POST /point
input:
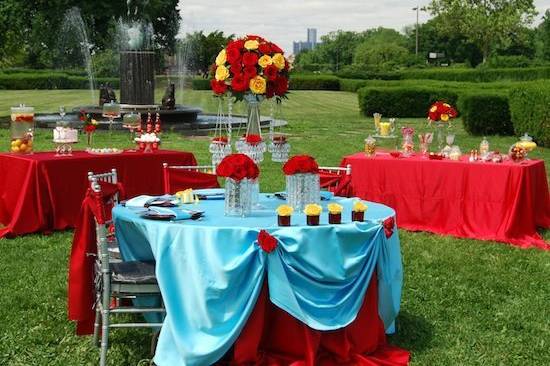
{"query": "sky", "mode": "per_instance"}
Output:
(285, 21)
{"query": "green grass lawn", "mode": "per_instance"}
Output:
(465, 302)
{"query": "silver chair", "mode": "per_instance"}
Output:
(336, 171)
(116, 281)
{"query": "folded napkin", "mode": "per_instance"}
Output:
(173, 213)
(146, 201)
(210, 194)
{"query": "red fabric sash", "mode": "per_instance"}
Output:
(81, 295)
(179, 179)
(339, 184)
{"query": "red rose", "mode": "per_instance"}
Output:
(275, 48)
(253, 139)
(239, 83)
(281, 86)
(267, 242)
(250, 58)
(238, 167)
(89, 128)
(388, 224)
(237, 44)
(271, 72)
(250, 72)
(233, 55)
(301, 164)
(218, 87)
(265, 48)
(221, 139)
(280, 139)
(252, 37)
(270, 91)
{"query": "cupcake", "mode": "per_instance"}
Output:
(334, 213)
(313, 211)
(284, 212)
(358, 212)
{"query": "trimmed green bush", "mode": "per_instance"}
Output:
(22, 81)
(486, 113)
(352, 85)
(200, 84)
(359, 72)
(530, 112)
(402, 101)
(314, 82)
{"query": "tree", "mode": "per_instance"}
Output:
(380, 56)
(198, 50)
(488, 24)
(544, 36)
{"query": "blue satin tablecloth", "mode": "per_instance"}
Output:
(211, 271)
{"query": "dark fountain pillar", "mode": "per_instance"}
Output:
(137, 77)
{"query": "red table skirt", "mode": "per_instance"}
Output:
(42, 192)
(273, 337)
(486, 201)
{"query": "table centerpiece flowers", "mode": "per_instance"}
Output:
(313, 212)
(251, 69)
(90, 125)
(284, 214)
(302, 181)
(240, 172)
(335, 213)
(441, 113)
(358, 211)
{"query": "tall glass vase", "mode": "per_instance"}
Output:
(254, 150)
(302, 189)
(440, 138)
(238, 200)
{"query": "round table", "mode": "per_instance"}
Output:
(211, 271)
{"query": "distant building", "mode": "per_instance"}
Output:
(310, 44)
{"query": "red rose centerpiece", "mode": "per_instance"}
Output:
(240, 173)
(302, 181)
(441, 113)
(253, 69)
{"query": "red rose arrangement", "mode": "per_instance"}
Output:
(441, 112)
(253, 65)
(267, 242)
(90, 125)
(280, 139)
(238, 167)
(253, 139)
(221, 139)
(301, 164)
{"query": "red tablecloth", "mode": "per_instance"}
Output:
(487, 201)
(273, 337)
(42, 192)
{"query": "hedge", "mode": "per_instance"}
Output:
(358, 72)
(200, 84)
(402, 101)
(530, 112)
(352, 85)
(22, 81)
(314, 82)
(486, 113)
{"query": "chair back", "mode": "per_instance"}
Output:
(109, 177)
(332, 177)
(101, 227)
(181, 177)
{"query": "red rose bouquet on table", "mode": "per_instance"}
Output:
(301, 164)
(251, 65)
(238, 167)
(441, 112)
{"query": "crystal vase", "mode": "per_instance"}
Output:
(219, 150)
(238, 197)
(254, 150)
(302, 189)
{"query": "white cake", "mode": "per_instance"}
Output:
(65, 135)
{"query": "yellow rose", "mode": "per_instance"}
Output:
(433, 109)
(221, 58)
(265, 61)
(444, 117)
(251, 45)
(447, 105)
(359, 206)
(94, 122)
(284, 210)
(335, 208)
(222, 73)
(258, 85)
(279, 60)
(313, 210)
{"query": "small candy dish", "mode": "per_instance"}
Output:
(313, 212)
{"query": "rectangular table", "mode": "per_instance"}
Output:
(504, 202)
(42, 192)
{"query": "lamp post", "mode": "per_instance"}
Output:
(418, 9)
